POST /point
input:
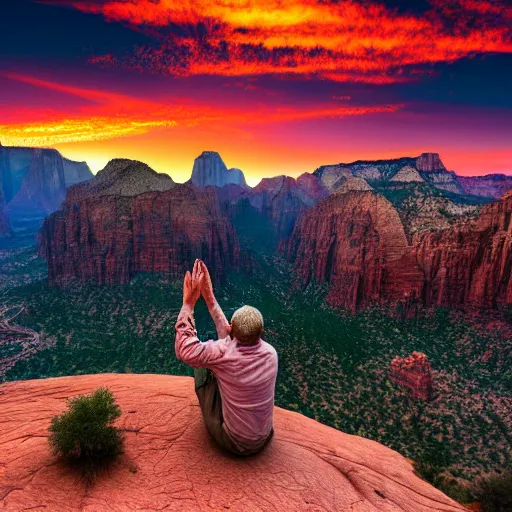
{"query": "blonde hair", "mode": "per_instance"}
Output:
(247, 325)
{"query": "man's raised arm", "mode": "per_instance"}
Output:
(187, 345)
(218, 316)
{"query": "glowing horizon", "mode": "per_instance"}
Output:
(276, 87)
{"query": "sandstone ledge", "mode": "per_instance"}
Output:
(171, 464)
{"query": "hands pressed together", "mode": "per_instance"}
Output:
(197, 283)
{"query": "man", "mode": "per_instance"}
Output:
(235, 376)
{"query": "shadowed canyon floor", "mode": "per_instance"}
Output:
(170, 463)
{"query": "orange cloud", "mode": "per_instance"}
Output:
(343, 40)
(112, 115)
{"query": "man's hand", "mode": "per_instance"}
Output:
(192, 285)
(206, 286)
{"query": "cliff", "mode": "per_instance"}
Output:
(108, 239)
(430, 162)
(170, 463)
(34, 180)
(471, 262)
(281, 199)
(209, 169)
(356, 242)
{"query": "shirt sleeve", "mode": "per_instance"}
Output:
(220, 321)
(188, 347)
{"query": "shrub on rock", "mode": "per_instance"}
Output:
(84, 434)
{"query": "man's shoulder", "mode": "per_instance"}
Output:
(268, 348)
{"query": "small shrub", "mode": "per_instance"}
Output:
(84, 433)
(495, 493)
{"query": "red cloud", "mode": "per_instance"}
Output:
(343, 40)
(114, 115)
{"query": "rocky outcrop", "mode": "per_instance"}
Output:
(429, 162)
(443, 180)
(333, 176)
(34, 180)
(356, 243)
(108, 239)
(170, 463)
(75, 172)
(407, 174)
(413, 372)
(122, 177)
(209, 169)
(492, 186)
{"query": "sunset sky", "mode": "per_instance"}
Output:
(275, 86)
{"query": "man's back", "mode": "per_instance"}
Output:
(247, 378)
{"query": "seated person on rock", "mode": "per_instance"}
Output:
(235, 376)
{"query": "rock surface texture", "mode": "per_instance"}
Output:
(170, 463)
(108, 239)
(413, 372)
(209, 169)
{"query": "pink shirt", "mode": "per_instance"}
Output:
(246, 376)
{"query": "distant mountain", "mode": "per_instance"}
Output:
(34, 180)
(122, 177)
(373, 231)
(209, 169)
(492, 185)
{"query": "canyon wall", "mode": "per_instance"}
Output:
(108, 239)
(356, 243)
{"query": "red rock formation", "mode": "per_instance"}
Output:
(170, 463)
(355, 242)
(429, 162)
(470, 263)
(414, 372)
(108, 239)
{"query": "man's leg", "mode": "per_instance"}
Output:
(208, 394)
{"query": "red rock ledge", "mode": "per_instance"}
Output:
(170, 463)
